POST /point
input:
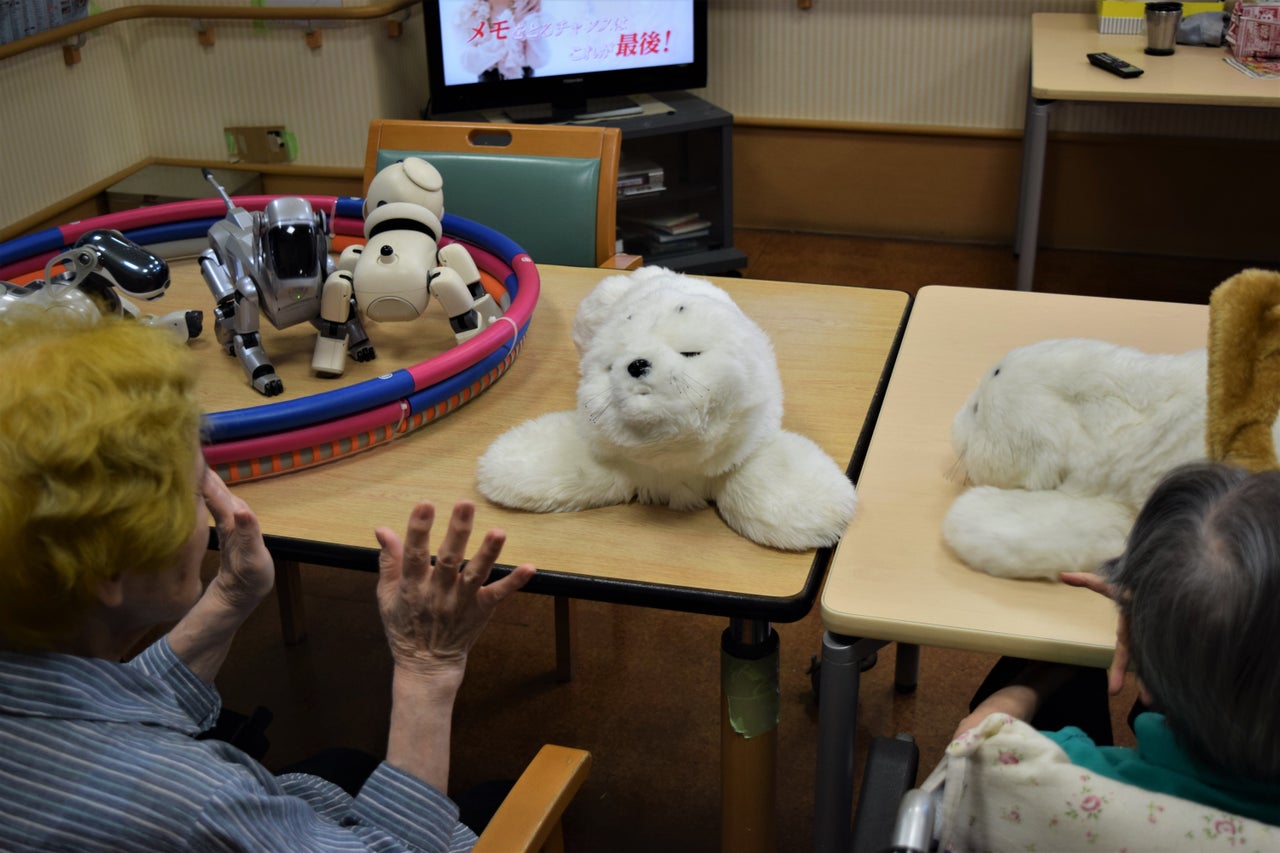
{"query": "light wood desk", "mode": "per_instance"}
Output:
(892, 578)
(1060, 72)
(833, 346)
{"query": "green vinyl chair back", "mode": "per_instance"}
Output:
(550, 188)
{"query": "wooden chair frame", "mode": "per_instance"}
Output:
(529, 819)
(537, 140)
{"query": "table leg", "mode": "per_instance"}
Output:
(749, 705)
(293, 623)
(1035, 138)
(837, 730)
(564, 607)
(906, 668)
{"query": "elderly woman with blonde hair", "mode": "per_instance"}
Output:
(105, 505)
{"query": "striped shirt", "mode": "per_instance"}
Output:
(96, 755)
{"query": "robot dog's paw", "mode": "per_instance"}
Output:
(268, 384)
(195, 323)
(364, 352)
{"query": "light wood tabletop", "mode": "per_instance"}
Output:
(1194, 74)
(892, 577)
(834, 348)
(832, 344)
(1061, 71)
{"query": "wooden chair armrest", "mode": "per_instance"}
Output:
(529, 817)
(623, 261)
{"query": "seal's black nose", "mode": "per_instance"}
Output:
(639, 368)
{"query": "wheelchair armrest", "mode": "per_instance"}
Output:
(890, 772)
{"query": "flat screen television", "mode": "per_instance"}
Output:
(572, 57)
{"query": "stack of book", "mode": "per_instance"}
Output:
(673, 232)
(639, 177)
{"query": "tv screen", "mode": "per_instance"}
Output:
(562, 53)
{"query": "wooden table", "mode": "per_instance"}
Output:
(892, 578)
(833, 346)
(1060, 72)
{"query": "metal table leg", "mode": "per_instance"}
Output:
(1035, 138)
(749, 706)
(906, 668)
(837, 729)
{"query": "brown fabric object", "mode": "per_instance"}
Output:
(1244, 370)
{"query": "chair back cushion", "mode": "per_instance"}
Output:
(545, 204)
(1005, 786)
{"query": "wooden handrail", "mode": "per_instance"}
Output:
(59, 34)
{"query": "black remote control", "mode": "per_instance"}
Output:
(1114, 64)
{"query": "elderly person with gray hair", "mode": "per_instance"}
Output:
(1198, 594)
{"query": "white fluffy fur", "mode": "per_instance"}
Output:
(701, 425)
(1063, 441)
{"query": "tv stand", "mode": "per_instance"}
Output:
(589, 110)
(692, 143)
(598, 108)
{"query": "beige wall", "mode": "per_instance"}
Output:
(920, 64)
(75, 126)
(946, 77)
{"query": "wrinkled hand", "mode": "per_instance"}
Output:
(1119, 668)
(1089, 580)
(1017, 700)
(433, 614)
(247, 572)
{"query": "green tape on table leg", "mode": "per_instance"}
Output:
(751, 688)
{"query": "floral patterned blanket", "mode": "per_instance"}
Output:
(1003, 786)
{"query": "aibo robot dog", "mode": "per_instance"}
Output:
(276, 262)
(102, 264)
(402, 264)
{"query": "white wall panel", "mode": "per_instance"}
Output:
(147, 88)
(927, 64)
(65, 127)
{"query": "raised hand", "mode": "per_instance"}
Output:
(1119, 668)
(247, 572)
(433, 611)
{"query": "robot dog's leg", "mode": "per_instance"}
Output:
(192, 322)
(358, 343)
(347, 260)
(248, 343)
(457, 258)
(447, 286)
(224, 295)
(185, 324)
(330, 356)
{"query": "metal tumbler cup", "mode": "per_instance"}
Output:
(1162, 27)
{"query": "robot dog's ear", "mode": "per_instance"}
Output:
(423, 174)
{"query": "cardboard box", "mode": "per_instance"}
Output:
(262, 144)
(158, 184)
(1254, 31)
(1128, 16)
